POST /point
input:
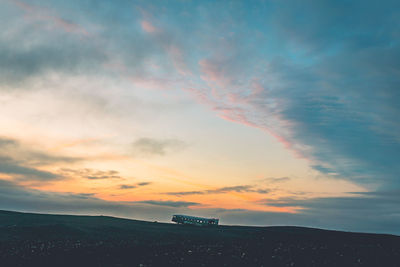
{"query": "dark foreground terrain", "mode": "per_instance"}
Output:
(57, 240)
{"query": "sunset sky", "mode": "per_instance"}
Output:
(254, 112)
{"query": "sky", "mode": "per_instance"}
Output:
(254, 112)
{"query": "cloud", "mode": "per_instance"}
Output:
(330, 97)
(222, 190)
(144, 183)
(21, 59)
(132, 186)
(149, 146)
(21, 161)
(20, 172)
(90, 174)
(30, 50)
(7, 142)
(148, 27)
(276, 179)
(186, 193)
(175, 204)
(313, 89)
(24, 153)
(19, 198)
(37, 13)
(365, 211)
(340, 213)
(238, 189)
(126, 186)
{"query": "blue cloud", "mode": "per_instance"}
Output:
(344, 104)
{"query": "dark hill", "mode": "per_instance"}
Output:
(28, 239)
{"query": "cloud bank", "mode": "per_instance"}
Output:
(341, 213)
(150, 146)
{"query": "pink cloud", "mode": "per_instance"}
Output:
(148, 27)
(237, 115)
(201, 96)
(239, 101)
(43, 14)
(213, 72)
(165, 40)
(178, 59)
(145, 80)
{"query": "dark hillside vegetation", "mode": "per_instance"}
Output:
(62, 240)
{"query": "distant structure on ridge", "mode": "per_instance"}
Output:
(185, 219)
